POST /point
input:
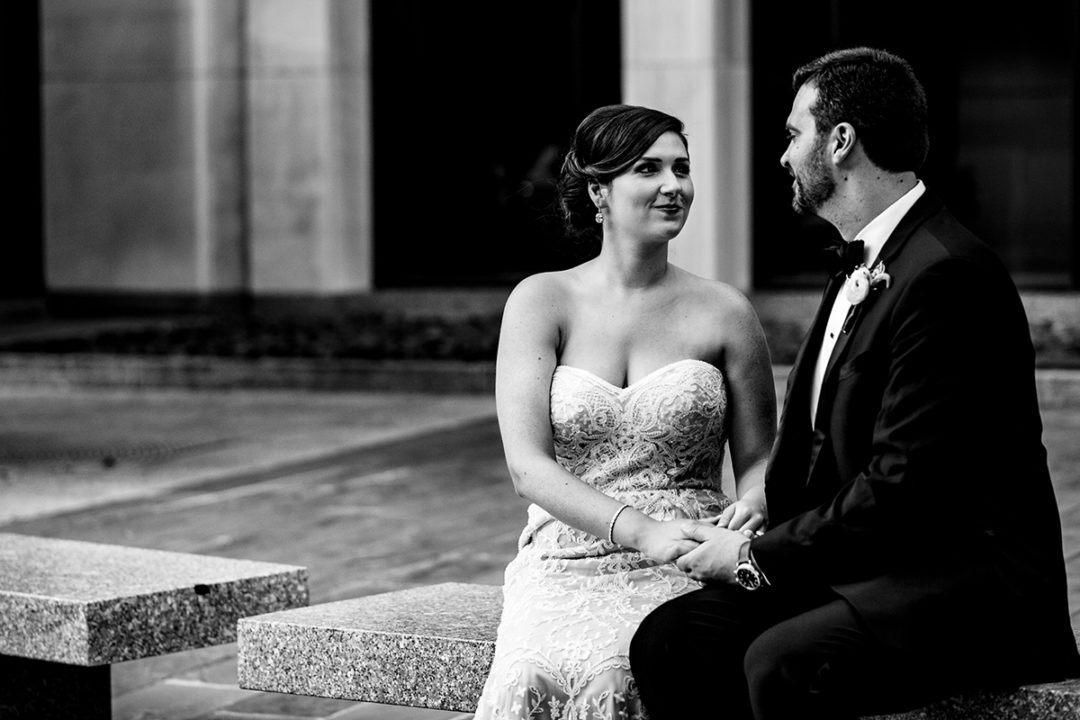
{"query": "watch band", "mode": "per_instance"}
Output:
(744, 552)
(753, 561)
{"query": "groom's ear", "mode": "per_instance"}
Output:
(842, 142)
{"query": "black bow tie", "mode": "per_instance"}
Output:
(848, 256)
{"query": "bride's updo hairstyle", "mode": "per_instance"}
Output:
(605, 145)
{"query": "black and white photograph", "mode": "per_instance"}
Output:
(541, 360)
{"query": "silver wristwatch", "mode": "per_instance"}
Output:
(746, 572)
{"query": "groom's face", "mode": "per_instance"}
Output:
(805, 157)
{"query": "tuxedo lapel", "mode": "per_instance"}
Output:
(791, 445)
(828, 386)
(923, 208)
(850, 326)
(797, 448)
(806, 358)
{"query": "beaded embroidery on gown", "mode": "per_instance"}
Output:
(572, 601)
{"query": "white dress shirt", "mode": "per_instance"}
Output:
(874, 235)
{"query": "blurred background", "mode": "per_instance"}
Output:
(353, 160)
(216, 207)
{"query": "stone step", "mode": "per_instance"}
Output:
(84, 603)
(69, 610)
(432, 646)
(428, 647)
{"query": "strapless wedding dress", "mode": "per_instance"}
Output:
(572, 601)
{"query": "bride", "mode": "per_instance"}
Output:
(618, 384)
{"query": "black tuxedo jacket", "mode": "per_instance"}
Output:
(923, 495)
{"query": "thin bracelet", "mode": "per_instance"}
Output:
(611, 525)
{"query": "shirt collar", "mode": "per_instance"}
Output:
(878, 230)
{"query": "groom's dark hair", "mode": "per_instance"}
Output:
(878, 93)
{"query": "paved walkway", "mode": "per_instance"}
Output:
(370, 491)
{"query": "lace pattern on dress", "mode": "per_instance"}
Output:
(572, 601)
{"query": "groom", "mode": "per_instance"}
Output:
(914, 545)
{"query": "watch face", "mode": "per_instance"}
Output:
(746, 576)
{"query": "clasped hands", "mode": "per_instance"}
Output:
(707, 549)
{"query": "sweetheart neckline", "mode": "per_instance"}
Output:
(644, 377)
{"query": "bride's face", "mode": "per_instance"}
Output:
(653, 197)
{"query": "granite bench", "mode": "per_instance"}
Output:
(427, 647)
(431, 647)
(70, 609)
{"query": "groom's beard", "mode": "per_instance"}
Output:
(815, 185)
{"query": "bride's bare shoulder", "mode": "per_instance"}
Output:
(547, 292)
(722, 301)
(556, 286)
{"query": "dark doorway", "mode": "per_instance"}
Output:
(473, 105)
(22, 271)
(1002, 87)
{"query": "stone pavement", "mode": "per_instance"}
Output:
(67, 448)
(371, 491)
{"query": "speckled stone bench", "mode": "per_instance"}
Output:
(427, 647)
(69, 609)
(431, 647)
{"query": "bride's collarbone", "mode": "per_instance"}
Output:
(623, 359)
(629, 339)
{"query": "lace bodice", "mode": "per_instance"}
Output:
(571, 601)
(663, 432)
(657, 445)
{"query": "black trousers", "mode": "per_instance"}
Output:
(725, 653)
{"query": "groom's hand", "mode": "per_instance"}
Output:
(664, 540)
(714, 560)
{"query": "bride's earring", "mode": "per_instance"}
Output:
(599, 217)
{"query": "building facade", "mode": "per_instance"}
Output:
(193, 150)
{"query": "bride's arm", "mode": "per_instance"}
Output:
(752, 414)
(527, 356)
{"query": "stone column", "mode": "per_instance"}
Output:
(692, 58)
(141, 156)
(309, 146)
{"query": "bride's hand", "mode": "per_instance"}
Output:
(748, 514)
(667, 540)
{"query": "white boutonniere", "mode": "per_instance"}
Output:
(862, 280)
